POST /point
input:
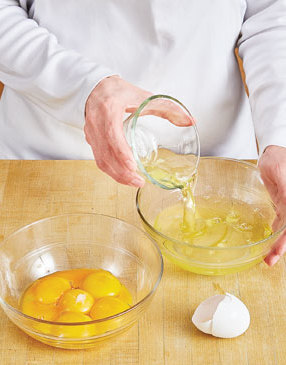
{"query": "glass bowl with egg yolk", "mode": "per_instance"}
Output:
(72, 281)
(222, 226)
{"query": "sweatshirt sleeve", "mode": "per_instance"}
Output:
(262, 46)
(32, 62)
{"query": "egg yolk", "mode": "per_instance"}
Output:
(101, 284)
(76, 300)
(73, 317)
(50, 289)
(125, 295)
(73, 296)
(107, 306)
(33, 308)
(73, 331)
(75, 276)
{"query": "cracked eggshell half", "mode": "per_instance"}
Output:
(222, 316)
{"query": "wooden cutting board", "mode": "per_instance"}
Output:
(30, 190)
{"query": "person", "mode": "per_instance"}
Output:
(73, 69)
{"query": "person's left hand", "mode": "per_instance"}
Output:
(272, 165)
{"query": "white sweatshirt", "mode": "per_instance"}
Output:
(54, 52)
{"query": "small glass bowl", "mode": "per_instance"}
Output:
(225, 178)
(148, 132)
(78, 241)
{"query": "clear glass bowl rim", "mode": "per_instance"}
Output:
(275, 234)
(132, 308)
(135, 117)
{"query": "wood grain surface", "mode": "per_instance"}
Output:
(30, 190)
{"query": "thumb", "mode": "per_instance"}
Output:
(165, 109)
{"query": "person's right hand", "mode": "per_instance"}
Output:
(105, 110)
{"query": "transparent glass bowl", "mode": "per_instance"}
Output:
(226, 178)
(158, 139)
(78, 241)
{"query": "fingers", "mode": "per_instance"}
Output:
(270, 186)
(105, 110)
(121, 155)
(274, 177)
(271, 259)
(165, 109)
(109, 164)
(277, 222)
(111, 151)
(278, 250)
(115, 137)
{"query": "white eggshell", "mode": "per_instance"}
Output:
(203, 315)
(222, 316)
(231, 319)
